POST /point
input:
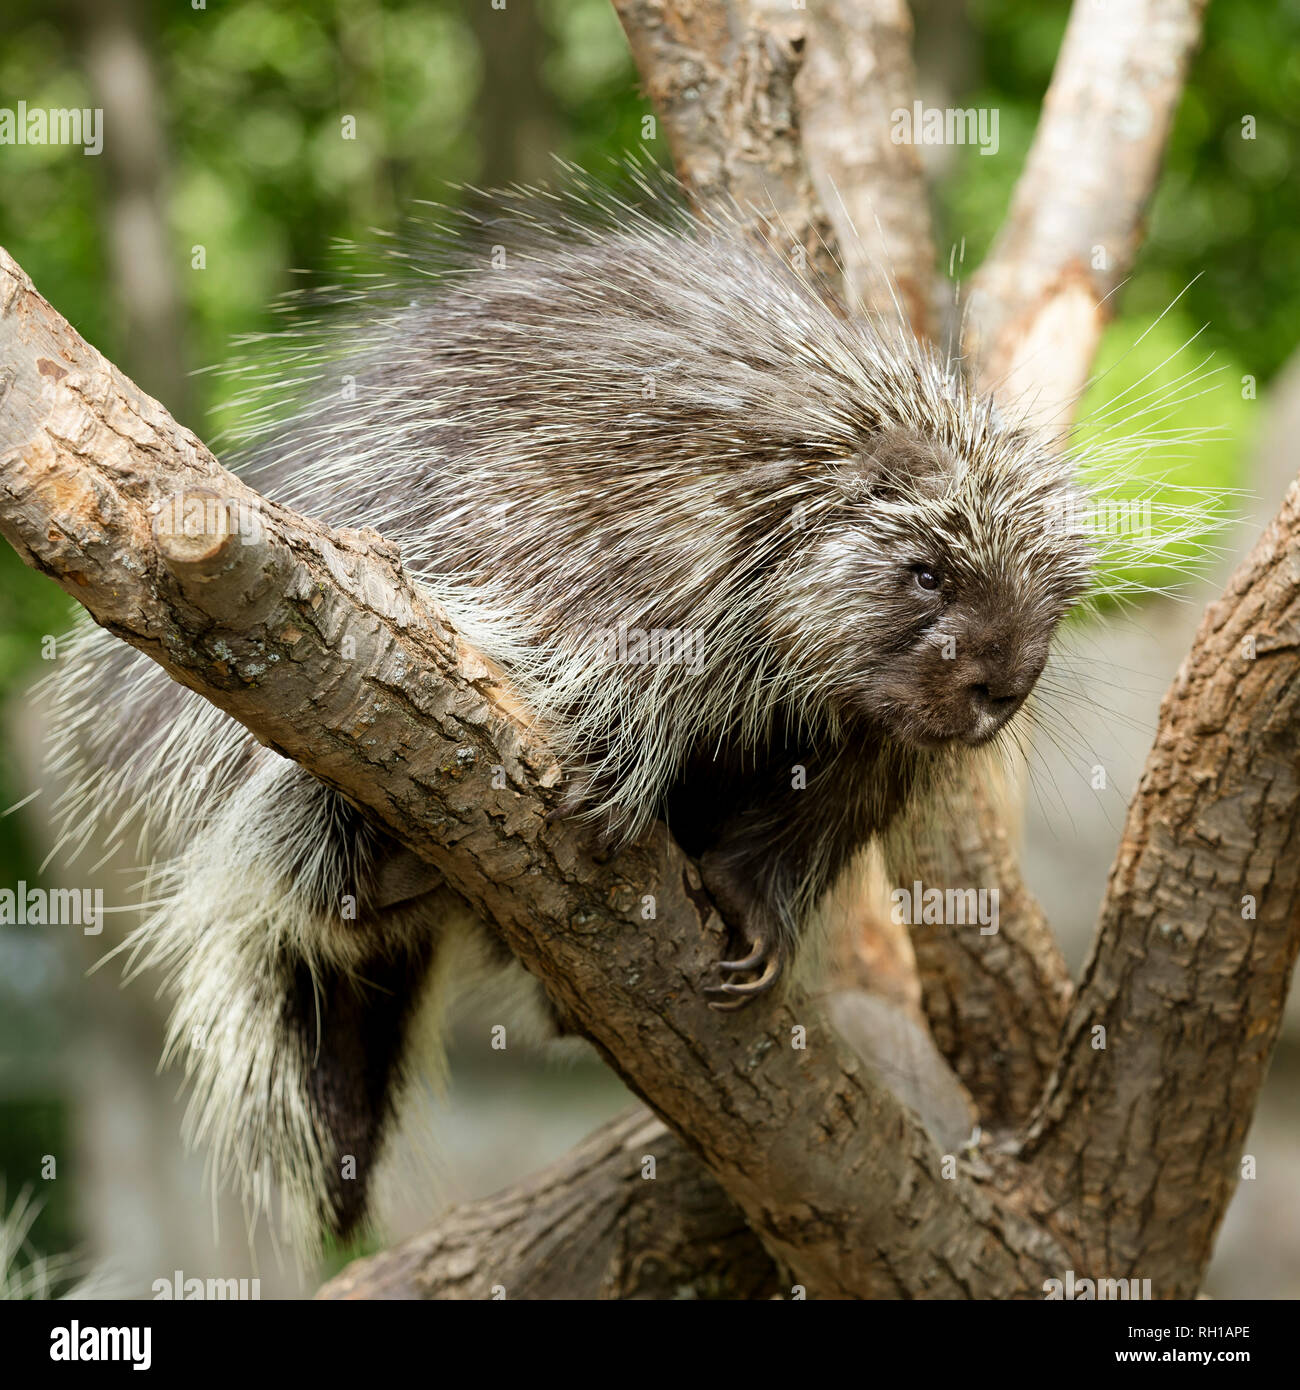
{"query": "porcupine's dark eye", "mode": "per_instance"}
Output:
(926, 578)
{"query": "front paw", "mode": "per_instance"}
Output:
(746, 912)
(765, 962)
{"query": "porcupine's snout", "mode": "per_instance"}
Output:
(994, 699)
(997, 662)
(967, 687)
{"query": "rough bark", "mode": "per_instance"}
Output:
(721, 76)
(786, 112)
(619, 1228)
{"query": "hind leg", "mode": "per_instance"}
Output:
(349, 1029)
(743, 896)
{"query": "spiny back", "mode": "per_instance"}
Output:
(645, 427)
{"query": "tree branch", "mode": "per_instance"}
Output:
(857, 72)
(616, 1229)
(787, 111)
(721, 75)
(1045, 292)
(1143, 1126)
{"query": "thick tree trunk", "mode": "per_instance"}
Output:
(1176, 1019)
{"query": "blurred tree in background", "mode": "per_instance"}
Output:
(223, 151)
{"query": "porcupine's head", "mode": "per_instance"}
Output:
(949, 543)
(973, 563)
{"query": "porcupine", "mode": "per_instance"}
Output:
(591, 428)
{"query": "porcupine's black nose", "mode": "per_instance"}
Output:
(994, 701)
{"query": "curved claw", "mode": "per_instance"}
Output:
(737, 996)
(758, 956)
(723, 1007)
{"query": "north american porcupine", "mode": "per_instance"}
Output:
(623, 427)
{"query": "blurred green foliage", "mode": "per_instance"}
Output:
(1222, 245)
(251, 94)
(1225, 222)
